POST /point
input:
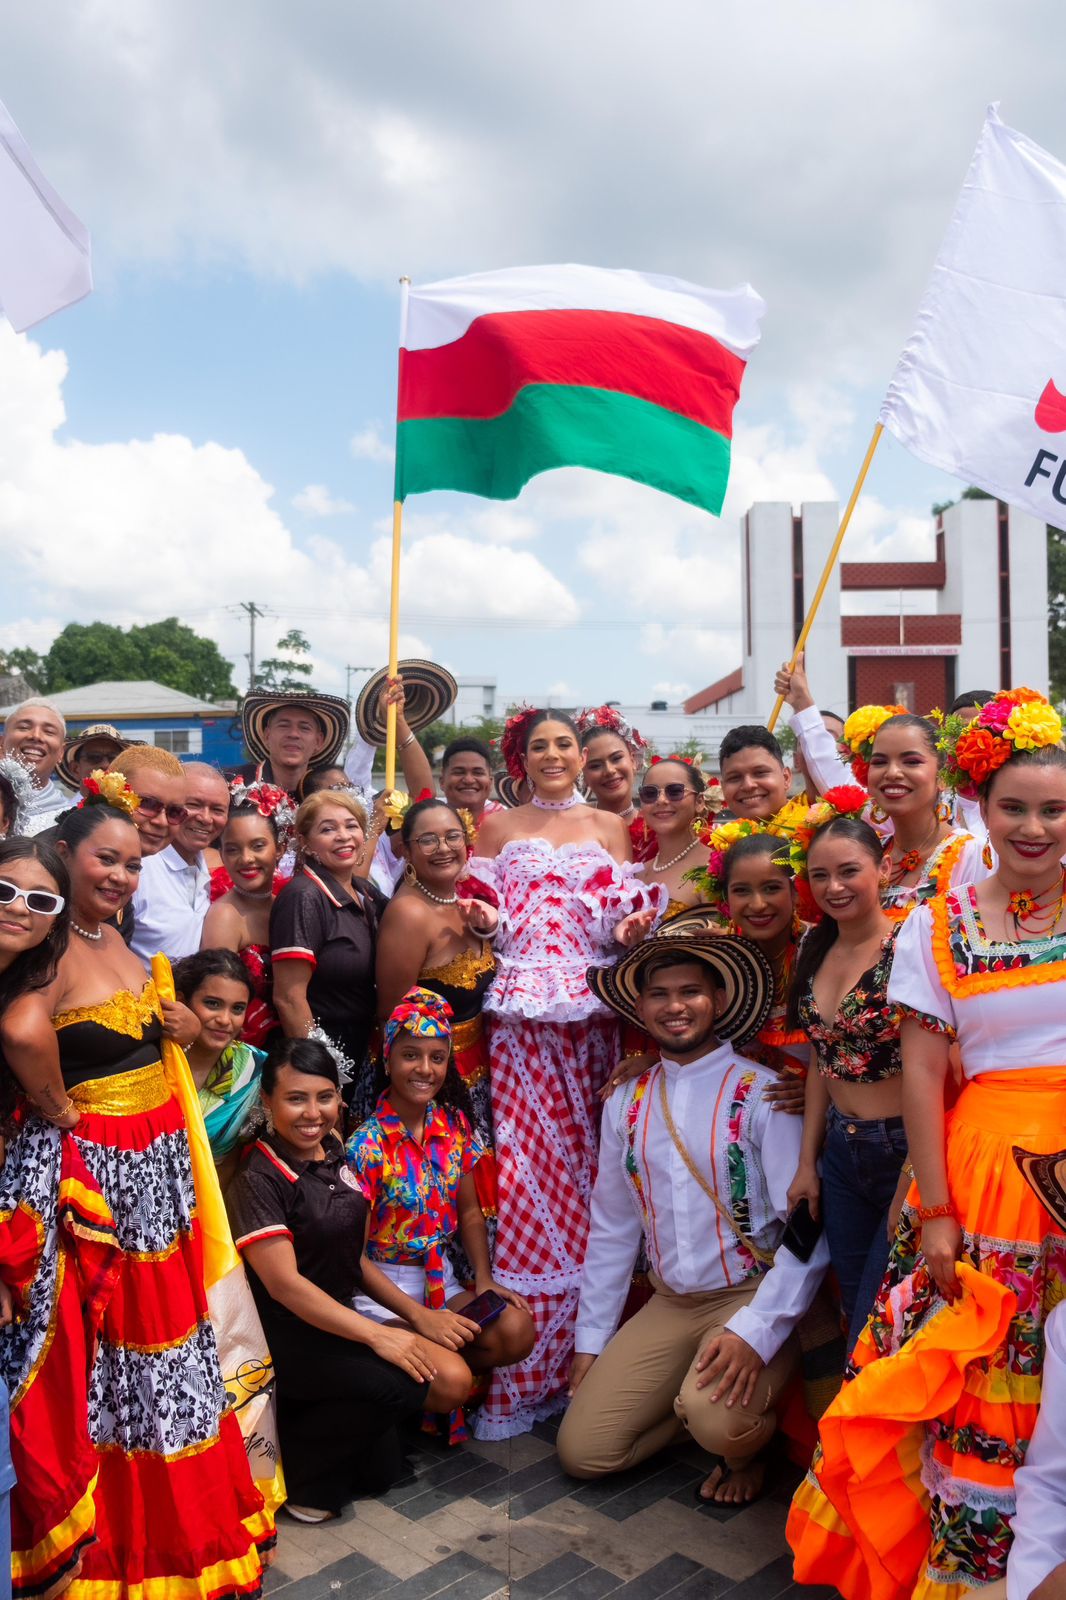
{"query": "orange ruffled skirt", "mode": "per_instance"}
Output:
(912, 1493)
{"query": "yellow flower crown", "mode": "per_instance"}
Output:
(110, 789)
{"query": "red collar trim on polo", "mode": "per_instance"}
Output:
(273, 1157)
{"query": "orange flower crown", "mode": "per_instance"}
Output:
(1012, 721)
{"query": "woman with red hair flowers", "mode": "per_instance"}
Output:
(568, 899)
(613, 755)
(948, 1369)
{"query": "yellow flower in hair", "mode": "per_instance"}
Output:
(1033, 726)
(863, 724)
(788, 819)
(395, 805)
(113, 789)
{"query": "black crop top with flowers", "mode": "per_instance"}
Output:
(861, 1045)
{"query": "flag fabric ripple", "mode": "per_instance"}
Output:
(45, 257)
(507, 374)
(980, 389)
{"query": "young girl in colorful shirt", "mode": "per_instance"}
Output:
(217, 988)
(414, 1160)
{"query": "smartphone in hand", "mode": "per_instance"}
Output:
(484, 1308)
(802, 1232)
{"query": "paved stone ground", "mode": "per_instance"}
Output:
(502, 1522)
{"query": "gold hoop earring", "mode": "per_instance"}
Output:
(410, 876)
(877, 813)
(945, 811)
(987, 856)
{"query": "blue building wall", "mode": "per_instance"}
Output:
(220, 737)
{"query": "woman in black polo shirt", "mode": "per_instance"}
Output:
(299, 1220)
(323, 929)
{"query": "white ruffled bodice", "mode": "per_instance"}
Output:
(559, 908)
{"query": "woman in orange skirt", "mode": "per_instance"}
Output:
(912, 1493)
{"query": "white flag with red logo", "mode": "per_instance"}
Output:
(45, 257)
(980, 389)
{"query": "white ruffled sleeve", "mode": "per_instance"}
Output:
(614, 891)
(914, 983)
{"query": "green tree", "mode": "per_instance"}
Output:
(290, 668)
(165, 652)
(27, 664)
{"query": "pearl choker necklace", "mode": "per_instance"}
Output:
(85, 934)
(440, 899)
(556, 805)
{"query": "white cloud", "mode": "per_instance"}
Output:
(316, 501)
(369, 445)
(129, 532)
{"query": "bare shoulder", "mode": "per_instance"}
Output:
(613, 834)
(405, 910)
(27, 1021)
(494, 832)
(223, 926)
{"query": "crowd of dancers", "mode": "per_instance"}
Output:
(567, 1080)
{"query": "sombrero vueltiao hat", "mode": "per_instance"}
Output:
(428, 692)
(99, 730)
(1046, 1176)
(507, 790)
(742, 969)
(331, 711)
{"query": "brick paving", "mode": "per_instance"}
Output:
(503, 1522)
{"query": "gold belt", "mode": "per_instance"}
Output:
(465, 1034)
(124, 1094)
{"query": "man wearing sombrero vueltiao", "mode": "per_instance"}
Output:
(692, 1157)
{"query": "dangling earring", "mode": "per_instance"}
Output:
(987, 857)
(945, 810)
(877, 813)
(410, 876)
(798, 925)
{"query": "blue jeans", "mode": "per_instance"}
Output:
(861, 1164)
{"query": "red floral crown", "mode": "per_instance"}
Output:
(607, 718)
(512, 745)
(270, 802)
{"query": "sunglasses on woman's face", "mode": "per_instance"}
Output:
(151, 806)
(38, 900)
(674, 792)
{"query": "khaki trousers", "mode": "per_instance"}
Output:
(641, 1394)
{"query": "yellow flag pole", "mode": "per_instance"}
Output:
(830, 563)
(394, 595)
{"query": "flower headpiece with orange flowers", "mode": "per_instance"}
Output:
(270, 802)
(512, 744)
(1013, 720)
(109, 789)
(720, 839)
(608, 720)
(860, 730)
(846, 800)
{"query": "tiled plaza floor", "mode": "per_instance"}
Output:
(502, 1522)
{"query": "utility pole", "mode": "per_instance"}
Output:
(348, 682)
(253, 611)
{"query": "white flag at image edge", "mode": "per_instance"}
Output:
(45, 254)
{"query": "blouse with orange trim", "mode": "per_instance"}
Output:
(1000, 999)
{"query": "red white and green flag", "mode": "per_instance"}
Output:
(507, 374)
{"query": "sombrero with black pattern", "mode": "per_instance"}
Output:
(742, 970)
(428, 690)
(507, 790)
(329, 710)
(1046, 1176)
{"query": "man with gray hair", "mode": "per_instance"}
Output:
(172, 897)
(34, 733)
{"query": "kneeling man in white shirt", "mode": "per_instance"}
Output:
(693, 1158)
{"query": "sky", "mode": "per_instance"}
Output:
(214, 424)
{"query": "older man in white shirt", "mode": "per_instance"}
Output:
(693, 1157)
(34, 733)
(173, 894)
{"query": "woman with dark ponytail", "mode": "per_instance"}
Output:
(853, 1115)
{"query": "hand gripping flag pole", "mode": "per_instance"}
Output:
(830, 563)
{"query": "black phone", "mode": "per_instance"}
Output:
(484, 1308)
(802, 1232)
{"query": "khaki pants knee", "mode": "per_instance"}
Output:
(737, 1432)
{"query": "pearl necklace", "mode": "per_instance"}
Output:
(556, 805)
(85, 934)
(440, 899)
(655, 867)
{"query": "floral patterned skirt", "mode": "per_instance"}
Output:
(166, 1507)
(912, 1494)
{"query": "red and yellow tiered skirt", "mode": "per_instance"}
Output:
(127, 1453)
(912, 1493)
